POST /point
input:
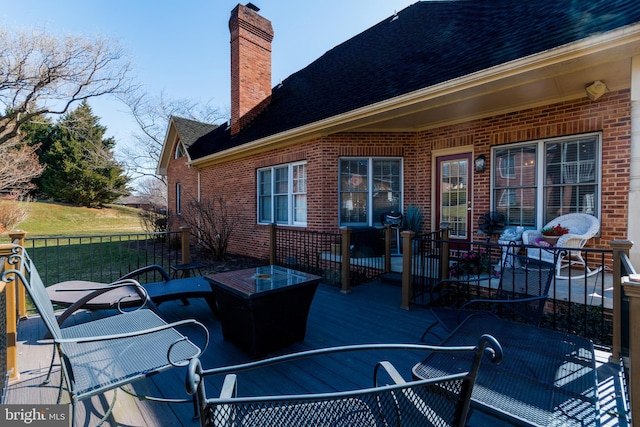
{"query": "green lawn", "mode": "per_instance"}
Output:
(63, 251)
(56, 219)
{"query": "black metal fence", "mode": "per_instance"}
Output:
(367, 251)
(426, 271)
(320, 253)
(310, 251)
(580, 301)
(101, 258)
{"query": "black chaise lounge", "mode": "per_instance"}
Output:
(77, 294)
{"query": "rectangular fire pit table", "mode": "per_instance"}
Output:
(263, 309)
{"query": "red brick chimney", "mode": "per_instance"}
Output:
(251, 37)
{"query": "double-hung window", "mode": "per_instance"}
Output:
(369, 187)
(536, 182)
(282, 194)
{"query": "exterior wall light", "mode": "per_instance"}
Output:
(480, 163)
(596, 89)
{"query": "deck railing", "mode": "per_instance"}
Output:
(627, 310)
(13, 304)
(347, 257)
(102, 258)
(581, 303)
(604, 307)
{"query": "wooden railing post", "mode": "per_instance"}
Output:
(407, 259)
(345, 252)
(444, 256)
(272, 243)
(17, 238)
(186, 240)
(387, 248)
(632, 290)
(619, 247)
(12, 319)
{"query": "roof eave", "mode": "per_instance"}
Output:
(475, 84)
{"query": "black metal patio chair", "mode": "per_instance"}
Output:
(108, 353)
(438, 401)
(521, 294)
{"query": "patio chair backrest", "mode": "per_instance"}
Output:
(581, 224)
(528, 283)
(439, 401)
(26, 271)
(106, 353)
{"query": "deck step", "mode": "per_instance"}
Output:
(391, 279)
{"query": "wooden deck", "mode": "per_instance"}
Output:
(370, 314)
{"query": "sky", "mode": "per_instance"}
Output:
(181, 48)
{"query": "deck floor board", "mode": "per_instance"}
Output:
(370, 314)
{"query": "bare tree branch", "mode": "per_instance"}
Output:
(152, 116)
(41, 74)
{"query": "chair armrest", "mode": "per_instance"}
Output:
(571, 241)
(229, 387)
(147, 269)
(529, 236)
(173, 325)
(390, 370)
(502, 301)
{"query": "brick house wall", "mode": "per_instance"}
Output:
(236, 179)
(179, 172)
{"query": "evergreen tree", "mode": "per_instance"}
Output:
(80, 166)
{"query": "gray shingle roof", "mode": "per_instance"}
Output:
(430, 42)
(190, 130)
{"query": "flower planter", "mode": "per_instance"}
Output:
(552, 240)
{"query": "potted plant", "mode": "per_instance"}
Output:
(552, 234)
(474, 262)
(413, 219)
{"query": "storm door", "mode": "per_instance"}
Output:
(453, 195)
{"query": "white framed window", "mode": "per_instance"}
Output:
(368, 187)
(537, 181)
(282, 194)
(178, 198)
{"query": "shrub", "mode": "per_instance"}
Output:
(153, 221)
(12, 213)
(212, 222)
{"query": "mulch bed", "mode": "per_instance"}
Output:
(233, 262)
